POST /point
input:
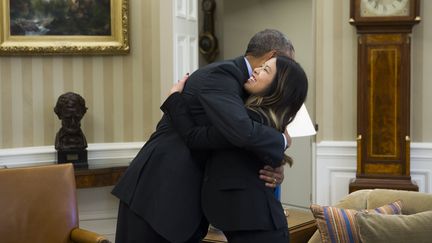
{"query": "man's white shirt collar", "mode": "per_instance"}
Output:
(248, 66)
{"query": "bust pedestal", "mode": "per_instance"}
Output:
(77, 157)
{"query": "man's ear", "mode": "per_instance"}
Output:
(270, 54)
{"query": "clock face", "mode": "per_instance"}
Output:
(383, 8)
(205, 43)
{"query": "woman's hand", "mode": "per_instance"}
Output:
(178, 87)
(272, 176)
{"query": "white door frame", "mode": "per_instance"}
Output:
(185, 37)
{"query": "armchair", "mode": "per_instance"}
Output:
(38, 204)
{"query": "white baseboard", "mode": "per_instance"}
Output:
(335, 166)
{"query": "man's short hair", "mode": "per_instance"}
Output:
(269, 40)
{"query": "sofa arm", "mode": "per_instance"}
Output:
(84, 236)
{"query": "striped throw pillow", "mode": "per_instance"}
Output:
(338, 225)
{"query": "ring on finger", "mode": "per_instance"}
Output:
(274, 181)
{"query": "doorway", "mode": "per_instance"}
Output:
(235, 23)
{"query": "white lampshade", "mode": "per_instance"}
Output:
(302, 124)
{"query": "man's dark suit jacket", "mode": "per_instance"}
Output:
(163, 182)
(233, 197)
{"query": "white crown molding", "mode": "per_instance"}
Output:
(99, 155)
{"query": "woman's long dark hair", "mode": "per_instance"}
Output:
(281, 101)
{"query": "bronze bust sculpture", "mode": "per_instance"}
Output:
(70, 141)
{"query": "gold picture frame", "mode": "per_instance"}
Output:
(47, 33)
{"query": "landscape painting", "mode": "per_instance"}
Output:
(60, 17)
(47, 27)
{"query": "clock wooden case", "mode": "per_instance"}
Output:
(383, 92)
(380, 16)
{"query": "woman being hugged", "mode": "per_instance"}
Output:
(234, 199)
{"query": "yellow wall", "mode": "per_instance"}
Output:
(335, 68)
(421, 75)
(329, 57)
(121, 92)
(241, 19)
(336, 73)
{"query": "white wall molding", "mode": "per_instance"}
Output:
(336, 161)
(335, 166)
(99, 155)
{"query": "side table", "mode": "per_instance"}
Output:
(99, 177)
(301, 225)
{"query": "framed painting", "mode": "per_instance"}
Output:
(63, 27)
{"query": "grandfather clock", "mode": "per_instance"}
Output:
(383, 92)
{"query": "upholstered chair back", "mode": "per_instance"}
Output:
(38, 204)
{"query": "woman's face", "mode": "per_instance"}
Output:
(261, 78)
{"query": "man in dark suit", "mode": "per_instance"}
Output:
(234, 199)
(160, 192)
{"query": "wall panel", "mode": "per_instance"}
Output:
(336, 166)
